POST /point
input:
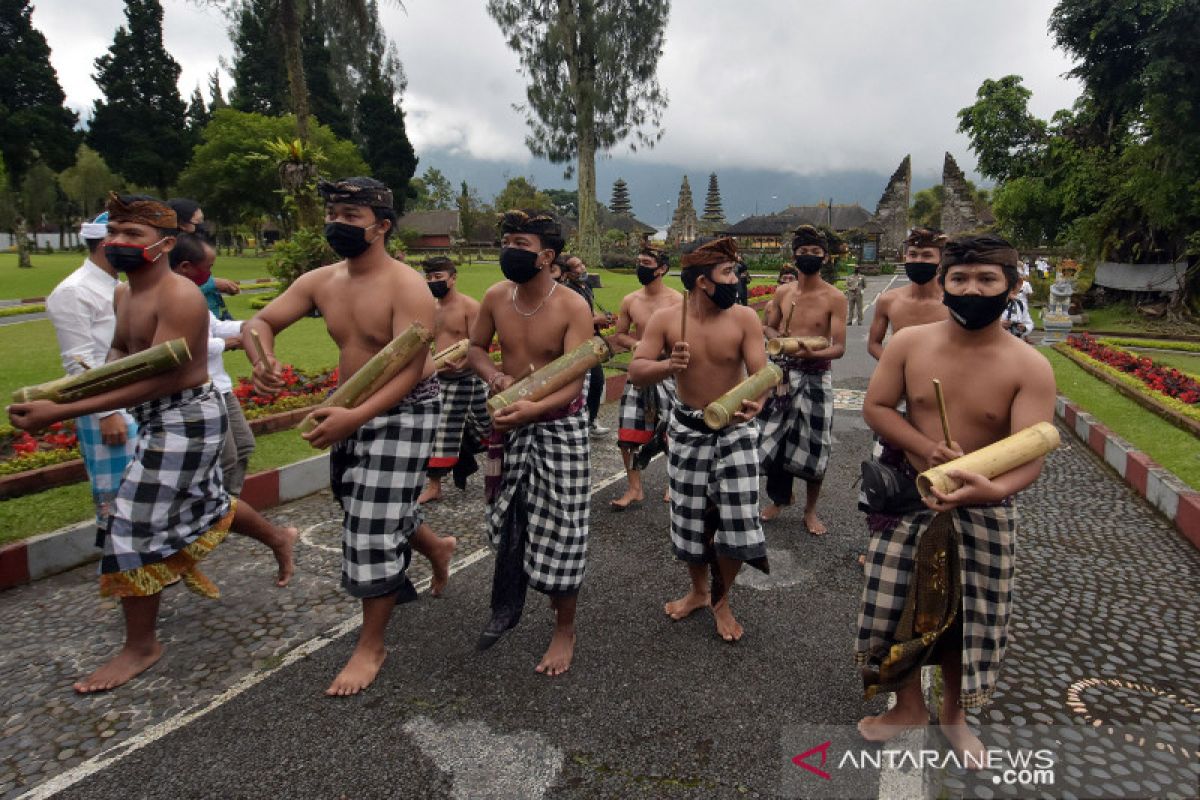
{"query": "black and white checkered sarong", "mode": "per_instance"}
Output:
(642, 410)
(718, 469)
(464, 411)
(171, 491)
(987, 556)
(797, 426)
(376, 475)
(547, 464)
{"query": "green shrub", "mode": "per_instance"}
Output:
(15, 311)
(37, 460)
(304, 252)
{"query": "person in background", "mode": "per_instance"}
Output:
(191, 220)
(575, 275)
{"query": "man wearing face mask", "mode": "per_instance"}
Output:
(713, 474)
(538, 484)
(465, 423)
(574, 274)
(641, 409)
(191, 220)
(379, 448)
(920, 302)
(81, 310)
(797, 432)
(994, 386)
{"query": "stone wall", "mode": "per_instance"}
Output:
(959, 211)
(892, 210)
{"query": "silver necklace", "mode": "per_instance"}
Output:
(517, 308)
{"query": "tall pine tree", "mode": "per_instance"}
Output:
(382, 137)
(216, 98)
(140, 127)
(34, 124)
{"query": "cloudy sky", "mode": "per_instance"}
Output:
(790, 87)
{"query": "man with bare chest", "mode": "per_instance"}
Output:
(959, 548)
(797, 431)
(538, 476)
(381, 447)
(642, 408)
(918, 303)
(713, 474)
(465, 423)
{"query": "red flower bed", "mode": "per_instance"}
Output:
(763, 290)
(300, 389)
(20, 451)
(1164, 380)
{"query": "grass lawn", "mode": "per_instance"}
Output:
(1187, 363)
(1162, 441)
(1124, 318)
(48, 270)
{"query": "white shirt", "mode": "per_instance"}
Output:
(218, 332)
(81, 310)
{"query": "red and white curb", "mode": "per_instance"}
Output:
(1159, 487)
(66, 548)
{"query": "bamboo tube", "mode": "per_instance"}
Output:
(941, 401)
(379, 369)
(787, 324)
(994, 460)
(454, 352)
(683, 320)
(260, 357)
(719, 413)
(155, 360)
(558, 373)
(787, 345)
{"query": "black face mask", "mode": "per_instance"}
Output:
(348, 241)
(439, 288)
(920, 272)
(809, 265)
(974, 312)
(128, 257)
(519, 266)
(724, 295)
(646, 275)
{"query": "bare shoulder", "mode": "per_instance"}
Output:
(496, 292)
(747, 316)
(316, 278)
(573, 302)
(912, 336)
(1032, 364)
(784, 292)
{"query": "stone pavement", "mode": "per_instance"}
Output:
(1103, 634)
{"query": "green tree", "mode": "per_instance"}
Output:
(233, 179)
(565, 202)
(216, 97)
(383, 139)
(139, 128)
(432, 191)
(591, 72)
(926, 208)
(521, 193)
(474, 217)
(197, 114)
(88, 181)
(1007, 140)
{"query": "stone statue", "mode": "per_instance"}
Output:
(1056, 317)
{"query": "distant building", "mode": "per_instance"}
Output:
(439, 230)
(772, 233)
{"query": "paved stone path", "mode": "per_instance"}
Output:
(1103, 635)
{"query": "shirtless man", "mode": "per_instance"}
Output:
(641, 409)
(380, 448)
(464, 395)
(797, 433)
(713, 474)
(918, 303)
(538, 470)
(168, 513)
(994, 386)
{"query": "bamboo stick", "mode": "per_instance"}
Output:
(379, 369)
(260, 357)
(787, 324)
(155, 360)
(994, 460)
(941, 401)
(542, 383)
(683, 319)
(454, 352)
(719, 413)
(788, 345)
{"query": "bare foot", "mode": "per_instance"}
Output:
(284, 556)
(557, 659)
(814, 525)
(124, 666)
(684, 606)
(439, 561)
(967, 745)
(771, 512)
(630, 497)
(358, 673)
(432, 493)
(666, 495)
(728, 628)
(892, 723)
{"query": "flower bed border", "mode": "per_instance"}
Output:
(1098, 370)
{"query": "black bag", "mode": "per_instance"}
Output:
(888, 490)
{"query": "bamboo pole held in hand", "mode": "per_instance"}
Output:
(787, 345)
(454, 352)
(994, 460)
(152, 361)
(542, 383)
(941, 401)
(719, 413)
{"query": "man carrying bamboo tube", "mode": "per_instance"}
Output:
(81, 310)
(465, 423)
(380, 447)
(538, 475)
(714, 343)
(171, 508)
(642, 408)
(994, 386)
(797, 430)
(920, 302)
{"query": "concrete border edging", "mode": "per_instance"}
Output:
(66, 548)
(1158, 486)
